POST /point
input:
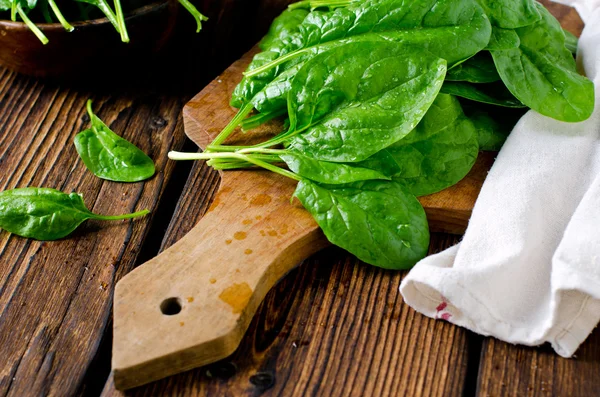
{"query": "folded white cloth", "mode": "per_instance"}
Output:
(528, 268)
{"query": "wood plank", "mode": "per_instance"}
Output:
(333, 327)
(55, 297)
(511, 370)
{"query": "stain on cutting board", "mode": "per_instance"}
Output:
(237, 296)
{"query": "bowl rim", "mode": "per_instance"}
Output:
(80, 24)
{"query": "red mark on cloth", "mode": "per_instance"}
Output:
(441, 313)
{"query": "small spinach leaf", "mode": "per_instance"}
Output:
(354, 100)
(109, 156)
(571, 41)
(503, 39)
(437, 154)
(490, 93)
(327, 172)
(511, 13)
(478, 69)
(284, 25)
(542, 73)
(46, 214)
(378, 221)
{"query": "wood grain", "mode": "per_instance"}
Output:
(55, 297)
(333, 327)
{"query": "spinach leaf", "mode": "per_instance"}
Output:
(571, 41)
(378, 221)
(503, 39)
(449, 29)
(490, 93)
(511, 13)
(478, 69)
(542, 73)
(109, 156)
(46, 214)
(356, 99)
(437, 154)
(493, 123)
(327, 172)
(284, 25)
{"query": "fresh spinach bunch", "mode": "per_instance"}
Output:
(47, 214)
(388, 100)
(116, 16)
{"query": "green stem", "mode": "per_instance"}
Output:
(275, 63)
(121, 217)
(110, 15)
(250, 159)
(260, 118)
(32, 25)
(46, 12)
(60, 16)
(312, 4)
(228, 130)
(121, 21)
(90, 111)
(195, 13)
(13, 10)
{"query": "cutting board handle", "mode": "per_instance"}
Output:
(192, 304)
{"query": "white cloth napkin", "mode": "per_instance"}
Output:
(528, 268)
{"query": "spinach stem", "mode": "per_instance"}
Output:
(243, 157)
(46, 11)
(228, 130)
(68, 27)
(275, 63)
(108, 12)
(121, 22)
(120, 217)
(261, 118)
(195, 13)
(39, 34)
(13, 10)
(312, 4)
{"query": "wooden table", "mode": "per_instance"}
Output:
(332, 327)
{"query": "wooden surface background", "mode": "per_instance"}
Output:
(332, 327)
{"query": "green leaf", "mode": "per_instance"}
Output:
(354, 100)
(542, 73)
(479, 69)
(284, 25)
(490, 93)
(493, 123)
(511, 13)
(378, 221)
(452, 30)
(46, 214)
(109, 156)
(327, 172)
(503, 39)
(436, 155)
(571, 41)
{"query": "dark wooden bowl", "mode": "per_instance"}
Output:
(93, 47)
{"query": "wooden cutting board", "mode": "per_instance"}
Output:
(192, 304)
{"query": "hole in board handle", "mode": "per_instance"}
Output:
(170, 306)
